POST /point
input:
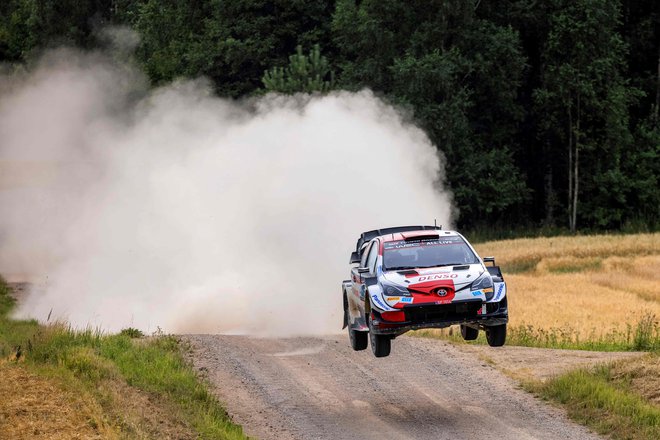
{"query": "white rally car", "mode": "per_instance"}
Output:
(413, 277)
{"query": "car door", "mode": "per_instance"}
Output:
(368, 276)
(356, 276)
(372, 258)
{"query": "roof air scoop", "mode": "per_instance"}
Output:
(409, 237)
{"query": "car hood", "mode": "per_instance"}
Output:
(419, 279)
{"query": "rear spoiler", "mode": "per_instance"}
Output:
(493, 270)
(489, 260)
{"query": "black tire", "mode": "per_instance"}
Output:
(469, 333)
(496, 335)
(359, 340)
(381, 345)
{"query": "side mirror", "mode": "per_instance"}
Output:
(371, 281)
(355, 258)
(363, 269)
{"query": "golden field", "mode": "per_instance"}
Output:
(585, 287)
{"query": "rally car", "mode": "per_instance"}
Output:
(413, 277)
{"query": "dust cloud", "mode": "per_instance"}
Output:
(169, 207)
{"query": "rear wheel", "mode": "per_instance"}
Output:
(380, 344)
(359, 340)
(496, 335)
(469, 333)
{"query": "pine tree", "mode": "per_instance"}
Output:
(305, 74)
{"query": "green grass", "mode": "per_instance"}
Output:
(520, 266)
(645, 336)
(14, 334)
(154, 365)
(578, 266)
(594, 398)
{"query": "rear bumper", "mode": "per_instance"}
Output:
(443, 315)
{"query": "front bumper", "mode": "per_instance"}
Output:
(443, 315)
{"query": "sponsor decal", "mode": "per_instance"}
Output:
(488, 290)
(393, 298)
(403, 244)
(407, 299)
(378, 302)
(444, 301)
(499, 291)
(444, 276)
(476, 293)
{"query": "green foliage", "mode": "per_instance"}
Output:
(596, 399)
(14, 334)
(304, 74)
(6, 301)
(28, 25)
(132, 333)
(155, 365)
(644, 336)
(483, 177)
(231, 41)
(585, 100)
(509, 91)
(460, 76)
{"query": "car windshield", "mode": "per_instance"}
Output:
(446, 251)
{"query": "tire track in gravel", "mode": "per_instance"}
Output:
(319, 388)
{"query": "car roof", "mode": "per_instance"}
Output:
(367, 236)
(398, 236)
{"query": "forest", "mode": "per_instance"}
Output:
(546, 111)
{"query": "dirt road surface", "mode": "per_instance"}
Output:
(319, 388)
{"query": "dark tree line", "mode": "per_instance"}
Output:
(546, 111)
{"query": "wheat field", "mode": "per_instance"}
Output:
(586, 287)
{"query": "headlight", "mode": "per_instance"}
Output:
(484, 282)
(394, 290)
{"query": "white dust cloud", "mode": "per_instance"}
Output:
(176, 209)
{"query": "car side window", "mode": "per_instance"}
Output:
(373, 255)
(365, 254)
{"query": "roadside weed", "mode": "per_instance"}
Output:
(115, 371)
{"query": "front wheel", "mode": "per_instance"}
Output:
(381, 345)
(496, 335)
(358, 340)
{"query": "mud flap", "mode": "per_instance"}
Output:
(345, 303)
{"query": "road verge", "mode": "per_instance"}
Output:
(100, 385)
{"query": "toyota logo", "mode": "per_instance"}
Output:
(441, 292)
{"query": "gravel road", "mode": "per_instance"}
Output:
(318, 388)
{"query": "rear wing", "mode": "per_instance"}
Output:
(493, 270)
